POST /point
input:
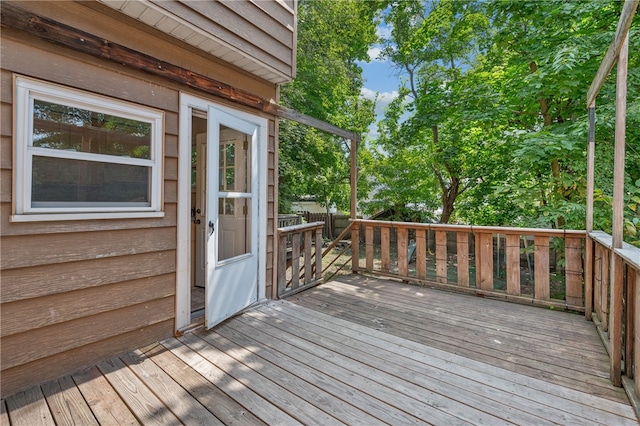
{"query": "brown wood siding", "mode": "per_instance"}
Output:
(86, 290)
(54, 366)
(103, 21)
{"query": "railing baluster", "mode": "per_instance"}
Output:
(604, 297)
(368, 241)
(513, 264)
(629, 332)
(421, 254)
(282, 264)
(308, 243)
(384, 249)
(636, 334)
(295, 261)
(318, 254)
(589, 272)
(403, 248)
(541, 262)
(355, 247)
(573, 271)
(484, 262)
(597, 280)
(441, 257)
(462, 255)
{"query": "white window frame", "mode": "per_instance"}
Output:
(26, 90)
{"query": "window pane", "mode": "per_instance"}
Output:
(58, 180)
(68, 128)
(235, 160)
(234, 235)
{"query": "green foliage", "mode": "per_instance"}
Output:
(332, 37)
(492, 124)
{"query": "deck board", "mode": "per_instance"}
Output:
(356, 351)
(493, 340)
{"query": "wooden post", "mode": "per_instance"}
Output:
(615, 320)
(354, 178)
(589, 254)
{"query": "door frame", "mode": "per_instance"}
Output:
(188, 103)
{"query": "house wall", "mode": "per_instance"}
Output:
(264, 30)
(76, 292)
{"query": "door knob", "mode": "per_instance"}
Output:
(211, 228)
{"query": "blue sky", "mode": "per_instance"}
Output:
(381, 79)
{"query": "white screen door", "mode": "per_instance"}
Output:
(232, 216)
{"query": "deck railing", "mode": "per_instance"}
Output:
(526, 265)
(619, 324)
(296, 243)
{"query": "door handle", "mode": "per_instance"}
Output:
(211, 228)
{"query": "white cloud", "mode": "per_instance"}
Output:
(374, 54)
(382, 99)
(384, 31)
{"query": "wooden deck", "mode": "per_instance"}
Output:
(355, 351)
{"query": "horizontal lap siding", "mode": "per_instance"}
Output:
(262, 29)
(75, 292)
(86, 290)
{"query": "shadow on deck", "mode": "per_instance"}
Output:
(357, 351)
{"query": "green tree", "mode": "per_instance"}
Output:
(332, 37)
(451, 107)
(550, 52)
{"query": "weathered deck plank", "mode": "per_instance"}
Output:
(465, 335)
(483, 338)
(104, 401)
(209, 395)
(66, 403)
(354, 351)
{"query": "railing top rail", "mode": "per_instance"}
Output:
(629, 253)
(474, 229)
(298, 228)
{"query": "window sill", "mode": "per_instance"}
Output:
(84, 216)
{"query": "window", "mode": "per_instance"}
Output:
(80, 155)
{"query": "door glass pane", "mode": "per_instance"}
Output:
(234, 222)
(234, 161)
